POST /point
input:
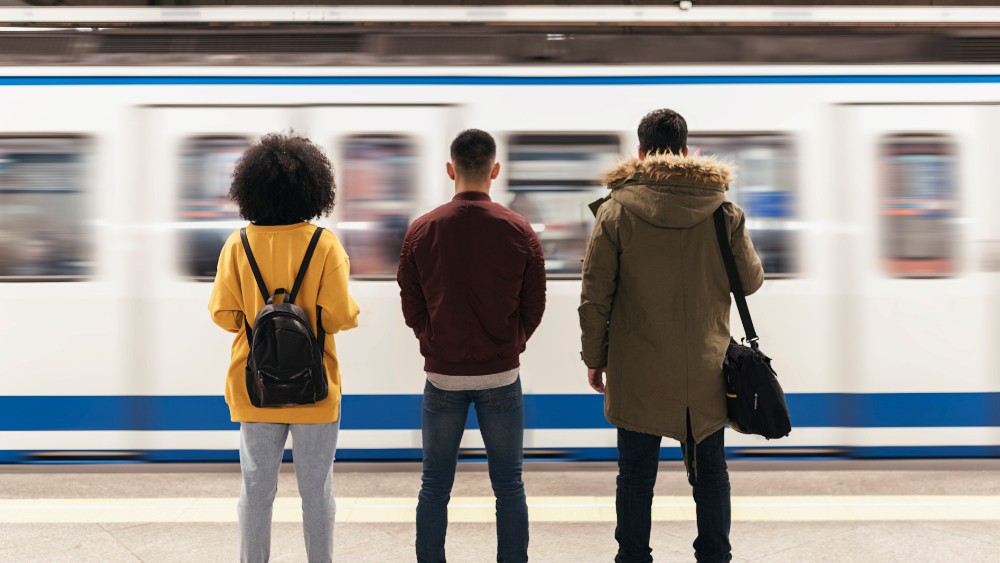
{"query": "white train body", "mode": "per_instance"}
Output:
(880, 330)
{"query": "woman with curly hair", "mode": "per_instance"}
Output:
(280, 184)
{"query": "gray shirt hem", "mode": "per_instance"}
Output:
(472, 382)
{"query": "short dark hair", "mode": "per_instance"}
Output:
(283, 179)
(473, 152)
(663, 130)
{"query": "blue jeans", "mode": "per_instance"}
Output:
(500, 413)
(638, 460)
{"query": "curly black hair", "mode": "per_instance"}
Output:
(283, 179)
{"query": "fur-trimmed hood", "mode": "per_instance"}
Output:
(668, 190)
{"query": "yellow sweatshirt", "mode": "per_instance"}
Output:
(279, 251)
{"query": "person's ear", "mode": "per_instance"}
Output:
(495, 172)
(642, 154)
(450, 168)
(685, 151)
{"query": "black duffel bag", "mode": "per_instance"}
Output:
(754, 399)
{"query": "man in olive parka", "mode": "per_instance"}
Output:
(654, 314)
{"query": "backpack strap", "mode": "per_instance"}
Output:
(734, 276)
(253, 266)
(305, 264)
(321, 333)
(249, 331)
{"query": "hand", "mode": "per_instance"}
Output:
(595, 376)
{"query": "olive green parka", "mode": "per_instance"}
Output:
(655, 303)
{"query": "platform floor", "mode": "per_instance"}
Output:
(830, 511)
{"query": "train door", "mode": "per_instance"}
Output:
(64, 284)
(918, 202)
(390, 164)
(186, 177)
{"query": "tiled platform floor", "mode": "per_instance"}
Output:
(836, 511)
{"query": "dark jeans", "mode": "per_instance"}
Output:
(638, 459)
(500, 413)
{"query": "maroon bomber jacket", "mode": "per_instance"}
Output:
(472, 281)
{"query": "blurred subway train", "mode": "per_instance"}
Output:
(872, 196)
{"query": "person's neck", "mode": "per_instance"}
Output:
(273, 223)
(472, 187)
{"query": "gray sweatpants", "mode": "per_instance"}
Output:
(261, 448)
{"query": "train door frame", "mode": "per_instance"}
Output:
(793, 310)
(78, 322)
(431, 127)
(925, 335)
(171, 300)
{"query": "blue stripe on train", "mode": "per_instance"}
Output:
(670, 452)
(495, 80)
(402, 412)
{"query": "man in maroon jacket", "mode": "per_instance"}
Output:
(472, 280)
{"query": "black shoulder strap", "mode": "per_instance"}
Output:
(253, 266)
(305, 264)
(320, 331)
(722, 233)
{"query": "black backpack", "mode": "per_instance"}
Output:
(285, 365)
(754, 400)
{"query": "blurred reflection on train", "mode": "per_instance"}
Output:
(206, 170)
(873, 207)
(918, 206)
(765, 188)
(377, 205)
(42, 216)
(552, 179)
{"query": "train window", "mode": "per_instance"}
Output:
(553, 178)
(378, 201)
(207, 215)
(918, 205)
(44, 233)
(765, 188)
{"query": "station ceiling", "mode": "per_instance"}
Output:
(449, 32)
(491, 3)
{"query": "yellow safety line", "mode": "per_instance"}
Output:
(481, 509)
